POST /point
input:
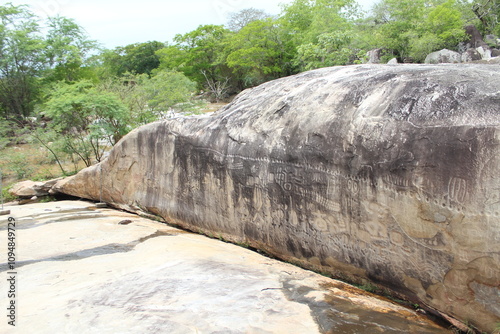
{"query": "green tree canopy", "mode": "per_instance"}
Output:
(22, 59)
(85, 116)
(197, 54)
(308, 19)
(138, 58)
(29, 58)
(414, 28)
(260, 51)
(67, 49)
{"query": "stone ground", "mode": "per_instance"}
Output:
(86, 270)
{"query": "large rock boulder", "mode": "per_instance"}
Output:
(443, 56)
(386, 173)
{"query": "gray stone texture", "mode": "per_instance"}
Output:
(28, 189)
(374, 56)
(443, 56)
(471, 55)
(89, 270)
(387, 173)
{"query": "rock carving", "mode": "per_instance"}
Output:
(386, 173)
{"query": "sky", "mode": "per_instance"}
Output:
(122, 22)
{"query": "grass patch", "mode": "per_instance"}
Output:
(30, 161)
(6, 196)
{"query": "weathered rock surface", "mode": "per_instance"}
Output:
(471, 55)
(476, 39)
(443, 56)
(83, 270)
(28, 189)
(374, 56)
(390, 173)
(393, 61)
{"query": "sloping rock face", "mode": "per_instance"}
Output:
(390, 173)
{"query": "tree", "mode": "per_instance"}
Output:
(138, 58)
(259, 52)
(413, 28)
(167, 89)
(29, 59)
(442, 28)
(240, 19)
(86, 119)
(331, 49)
(67, 49)
(21, 60)
(308, 19)
(487, 13)
(129, 88)
(322, 31)
(198, 54)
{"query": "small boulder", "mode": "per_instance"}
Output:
(471, 55)
(29, 189)
(393, 61)
(443, 56)
(484, 52)
(495, 53)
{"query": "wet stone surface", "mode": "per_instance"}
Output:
(80, 270)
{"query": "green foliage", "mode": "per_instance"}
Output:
(484, 14)
(322, 31)
(29, 59)
(197, 53)
(331, 49)
(259, 52)
(6, 132)
(85, 116)
(67, 49)
(368, 287)
(411, 29)
(138, 58)
(308, 19)
(129, 88)
(18, 165)
(21, 60)
(167, 89)
(6, 196)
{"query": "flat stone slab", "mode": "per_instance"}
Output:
(81, 269)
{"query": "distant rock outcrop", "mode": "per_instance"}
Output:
(386, 173)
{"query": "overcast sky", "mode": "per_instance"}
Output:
(121, 22)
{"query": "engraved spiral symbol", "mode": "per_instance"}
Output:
(457, 189)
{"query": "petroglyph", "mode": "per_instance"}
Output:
(357, 170)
